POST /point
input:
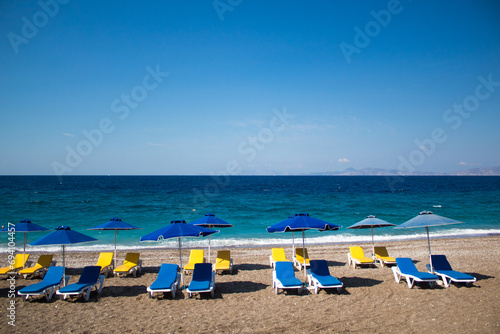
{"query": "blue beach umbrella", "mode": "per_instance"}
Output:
(63, 235)
(371, 222)
(24, 226)
(210, 221)
(302, 222)
(428, 219)
(115, 224)
(178, 229)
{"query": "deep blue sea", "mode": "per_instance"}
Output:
(250, 203)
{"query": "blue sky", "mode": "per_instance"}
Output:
(252, 87)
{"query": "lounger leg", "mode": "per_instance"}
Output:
(49, 297)
(410, 282)
(446, 281)
(87, 295)
(397, 278)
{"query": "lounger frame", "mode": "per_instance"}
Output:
(211, 289)
(278, 285)
(173, 287)
(411, 279)
(86, 290)
(316, 284)
(47, 292)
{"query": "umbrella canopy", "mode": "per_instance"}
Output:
(371, 222)
(428, 219)
(302, 222)
(63, 235)
(210, 221)
(24, 226)
(178, 229)
(115, 224)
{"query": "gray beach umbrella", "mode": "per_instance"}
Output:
(371, 222)
(428, 219)
(210, 221)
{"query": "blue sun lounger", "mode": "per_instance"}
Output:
(406, 269)
(168, 280)
(88, 279)
(203, 279)
(52, 280)
(442, 268)
(319, 277)
(284, 277)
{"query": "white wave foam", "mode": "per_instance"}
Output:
(285, 240)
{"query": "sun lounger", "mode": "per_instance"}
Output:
(89, 279)
(131, 265)
(203, 280)
(105, 261)
(224, 262)
(195, 256)
(284, 277)
(51, 281)
(442, 268)
(19, 262)
(168, 280)
(40, 268)
(383, 257)
(277, 255)
(356, 257)
(406, 269)
(319, 277)
(298, 258)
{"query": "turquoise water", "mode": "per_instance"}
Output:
(250, 203)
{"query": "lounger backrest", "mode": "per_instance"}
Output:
(357, 252)
(105, 259)
(132, 258)
(381, 251)
(439, 262)
(45, 260)
(406, 265)
(168, 272)
(53, 276)
(18, 260)
(202, 272)
(299, 254)
(196, 256)
(90, 275)
(284, 270)
(319, 267)
(223, 256)
(278, 254)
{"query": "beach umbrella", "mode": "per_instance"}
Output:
(428, 219)
(24, 226)
(210, 221)
(63, 235)
(302, 222)
(115, 224)
(371, 222)
(178, 229)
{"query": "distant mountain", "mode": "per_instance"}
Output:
(380, 171)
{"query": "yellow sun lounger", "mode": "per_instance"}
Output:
(196, 256)
(19, 262)
(223, 261)
(40, 268)
(298, 258)
(105, 261)
(277, 255)
(383, 257)
(131, 265)
(357, 257)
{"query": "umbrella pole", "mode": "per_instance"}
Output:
(429, 244)
(373, 246)
(180, 261)
(293, 244)
(209, 248)
(114, 259)
(64, 266)
(24, 250)
(304, 256)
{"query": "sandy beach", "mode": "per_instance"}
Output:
(246, 302)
